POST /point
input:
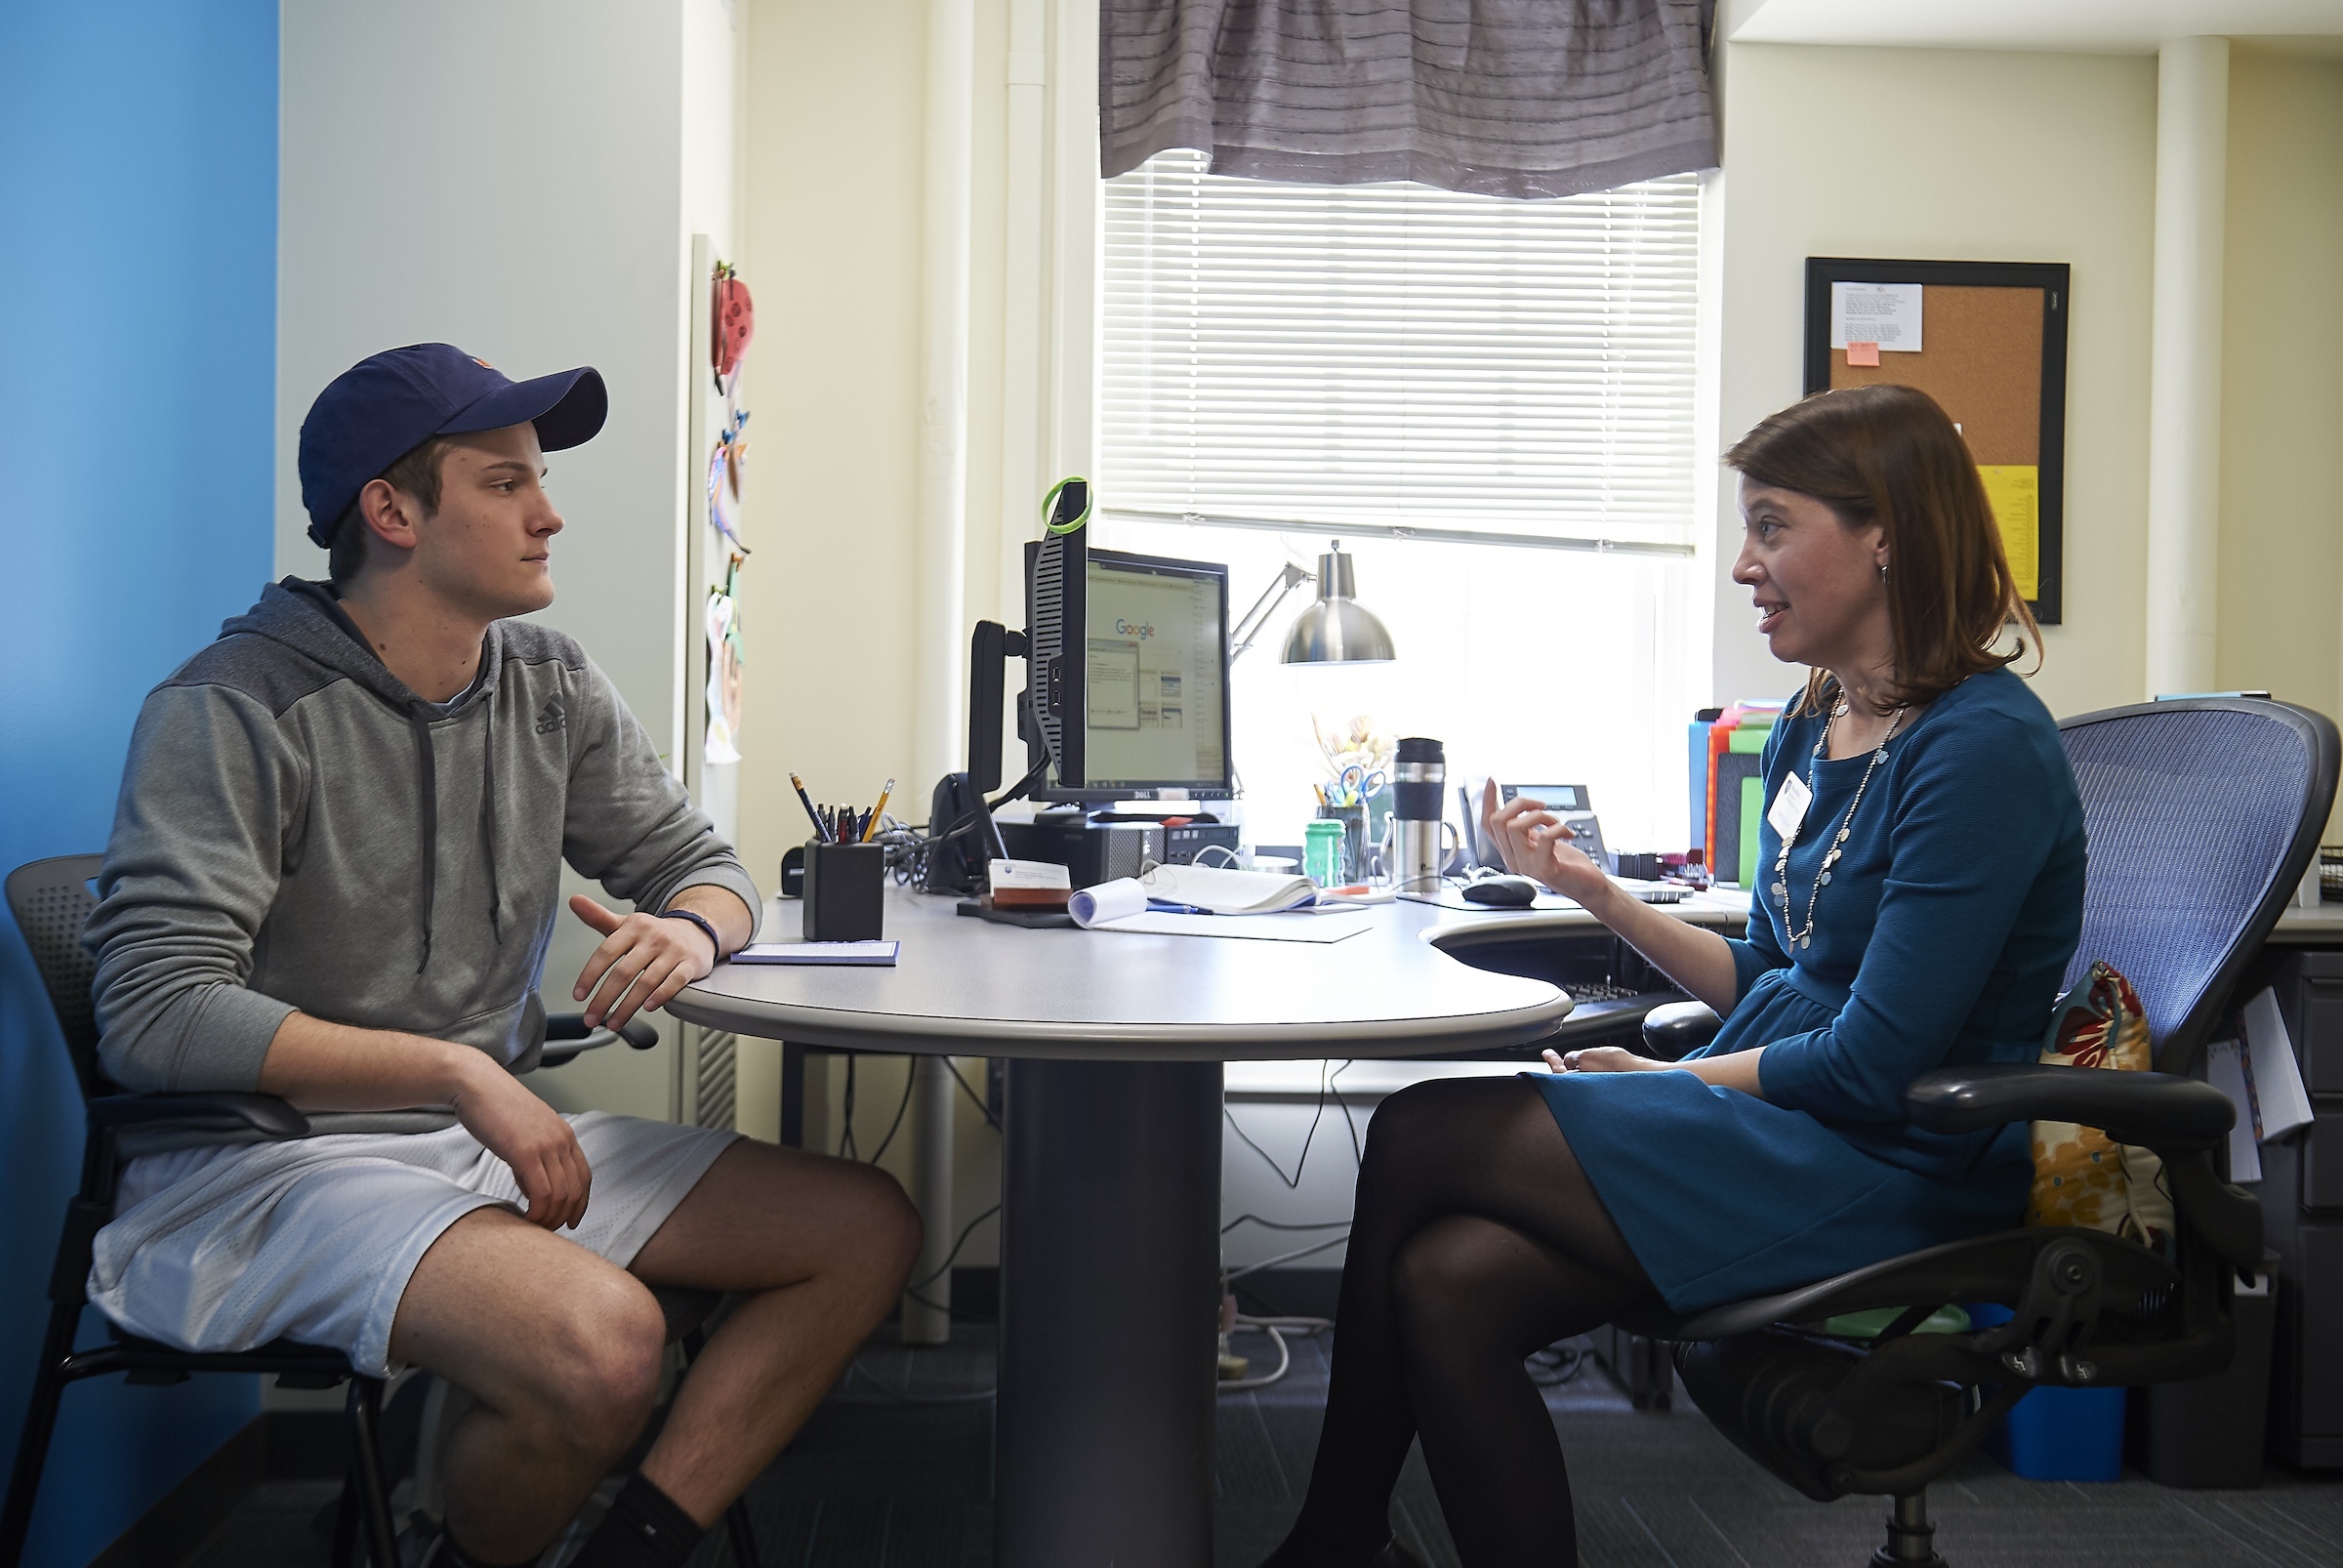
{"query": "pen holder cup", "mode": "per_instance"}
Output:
(1353, 818)
(845, 897)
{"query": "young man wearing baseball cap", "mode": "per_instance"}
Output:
(333, 876)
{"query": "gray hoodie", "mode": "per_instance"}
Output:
(297, 830)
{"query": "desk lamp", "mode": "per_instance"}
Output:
(1335, 629)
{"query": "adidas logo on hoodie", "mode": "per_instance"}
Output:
(550, 718)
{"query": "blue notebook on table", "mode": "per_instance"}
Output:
(880, 955)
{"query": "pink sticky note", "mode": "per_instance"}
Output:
(1863, 353)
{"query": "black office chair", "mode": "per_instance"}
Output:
(2203, 816)
(52, 900)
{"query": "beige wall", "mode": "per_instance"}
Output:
(2282, 501)
(1952, 155)
(830, 246)
(1996, 156)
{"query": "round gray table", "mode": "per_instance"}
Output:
(1111, 1179)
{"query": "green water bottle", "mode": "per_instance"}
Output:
(1322, 852)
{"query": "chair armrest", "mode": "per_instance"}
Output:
(567, 1037)
(265, 1114)
(1674, 1029)
(2161, 1110)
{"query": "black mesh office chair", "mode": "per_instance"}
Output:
(2203, 816)
(52, 900)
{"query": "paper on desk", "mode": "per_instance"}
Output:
(1119, 899)
(2225, 1068)
(872, 954)
(1120, 905)
(1300, 925)
(2276, 1078)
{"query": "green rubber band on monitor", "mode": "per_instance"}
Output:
(1049, 504)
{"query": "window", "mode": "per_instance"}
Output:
(1489, 402)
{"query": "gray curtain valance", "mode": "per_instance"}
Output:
(1506, 98)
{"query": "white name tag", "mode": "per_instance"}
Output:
(1790, 805)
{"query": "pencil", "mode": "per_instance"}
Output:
(806, 801)
(872, 826)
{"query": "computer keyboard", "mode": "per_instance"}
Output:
(1599, 990)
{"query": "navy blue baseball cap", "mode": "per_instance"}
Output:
(386, 406)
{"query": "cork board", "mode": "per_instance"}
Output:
(1993, 355)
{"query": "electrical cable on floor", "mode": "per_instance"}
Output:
(1277, 1328)
(964, 1232)
(1556, 1365)
(912, 1289)
(1294, 1181)
(846, 1147)
(989, 1120)
(1358, 1153)
(911, 1078)
(1235, 1274)
(1281, 1224)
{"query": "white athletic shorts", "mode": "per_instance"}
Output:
(314, 1239)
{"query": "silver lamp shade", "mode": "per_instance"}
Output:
(1337, 629)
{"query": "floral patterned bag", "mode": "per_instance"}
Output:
(2081, 1175)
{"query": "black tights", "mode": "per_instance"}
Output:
(1478, 1241)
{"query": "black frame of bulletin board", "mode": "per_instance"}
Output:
(2053, 279)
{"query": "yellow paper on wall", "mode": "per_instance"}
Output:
(2015, 492)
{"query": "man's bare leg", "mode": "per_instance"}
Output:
(824, 1245)
(562, 1351)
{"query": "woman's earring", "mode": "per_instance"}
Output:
(1883, 571)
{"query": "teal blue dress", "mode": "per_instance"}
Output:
(1941, 940)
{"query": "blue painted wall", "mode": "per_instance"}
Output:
(138, 303)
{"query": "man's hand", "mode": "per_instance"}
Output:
(642, 960)
(1604, 1059)
(323, 1067)
(1534, 843)
(530, 1136)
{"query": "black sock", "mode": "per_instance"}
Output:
(452, 1555)
(643, 1529)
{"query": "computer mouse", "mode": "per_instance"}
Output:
(1502, 893)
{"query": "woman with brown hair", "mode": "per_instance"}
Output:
(1919, 895)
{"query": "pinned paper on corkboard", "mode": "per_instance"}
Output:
(2015, 492)
(1993, 355)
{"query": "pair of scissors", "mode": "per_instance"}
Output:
(1357, 784)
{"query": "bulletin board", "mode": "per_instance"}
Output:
(1994, 352)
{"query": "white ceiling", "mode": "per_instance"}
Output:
(2094, 26)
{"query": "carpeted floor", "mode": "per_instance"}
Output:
(876, 1481)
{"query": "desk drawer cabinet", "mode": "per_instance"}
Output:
(2310, 993)
(2302, 1215)
(2306, 1391)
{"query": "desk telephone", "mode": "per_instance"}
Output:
(1569, 801)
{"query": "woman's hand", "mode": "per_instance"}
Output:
(1534, 843)
(1604, 1059)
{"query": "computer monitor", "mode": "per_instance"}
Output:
(1136, 704)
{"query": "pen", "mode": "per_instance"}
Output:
(884, 789)
(806, 801)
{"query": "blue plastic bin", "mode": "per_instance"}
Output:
(2062, 1434)
(2058, 1434)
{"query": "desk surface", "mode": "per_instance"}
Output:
(969, 985)
(2322, 927)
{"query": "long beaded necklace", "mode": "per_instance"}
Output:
(1846, 823)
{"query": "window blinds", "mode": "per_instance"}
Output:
(1398, 358)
